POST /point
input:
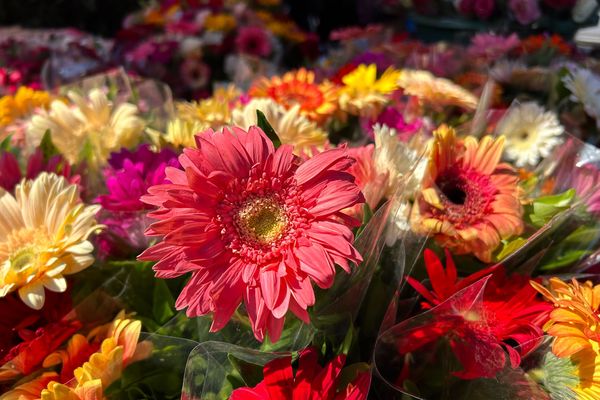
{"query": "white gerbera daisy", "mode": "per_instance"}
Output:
(531, 133)
(291, 126)
(585, 89)
(404, 163)
(43, 237)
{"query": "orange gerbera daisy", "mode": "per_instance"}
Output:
(89, 364)
(468, 200)
(317, 100)
(575, 325)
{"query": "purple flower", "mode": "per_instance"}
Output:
(525, 11)
(130, 174)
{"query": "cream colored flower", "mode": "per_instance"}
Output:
(436, 92)
(43, 237)
(88, 129)
(291, 126)
(405, 163)
(531, 133)
(179, 133)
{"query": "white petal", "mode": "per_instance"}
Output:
(58, 284)
(33, 295)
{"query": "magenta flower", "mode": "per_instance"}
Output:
(525, 11)
(395, 120)
(253, 41)
(128, 177)
(130, 174)
(254, 225)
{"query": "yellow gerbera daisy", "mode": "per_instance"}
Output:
(575, 325)
(90, 128)
(179, 133)
(210, 112)
(363, 93)
(291, 126)
(468, 200)
(21, 104)
(436, 92)
(317, 101)
(43, 237)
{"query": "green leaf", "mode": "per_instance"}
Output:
(264, 124)
(510, 247)
(5, 144)
(347, 343)
(545, 208)
(47, 147)
(563, 260)
(163, 302)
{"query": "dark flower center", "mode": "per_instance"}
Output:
(453, 190)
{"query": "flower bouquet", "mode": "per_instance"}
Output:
(370, 228)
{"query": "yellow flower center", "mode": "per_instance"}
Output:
(262, 220)
(19, 254)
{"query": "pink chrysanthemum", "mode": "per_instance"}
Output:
(252, 224)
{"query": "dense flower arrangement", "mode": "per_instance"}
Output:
(399, 220)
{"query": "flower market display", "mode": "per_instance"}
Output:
(216, 204)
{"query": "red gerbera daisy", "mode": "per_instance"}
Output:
(508, 317)
(27, 336)
(311, 381)
(252, 224)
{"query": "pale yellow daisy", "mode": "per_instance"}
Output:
(291, 126)
(43, 237)
(90, 128)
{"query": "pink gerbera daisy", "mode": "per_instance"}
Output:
(252, 224)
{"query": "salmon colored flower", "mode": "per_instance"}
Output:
(371, 181)
(469, 201)
(575, 325)
(317, 101)
(310, 382)
(436, 92)
(364, 93)
(252, 224)
(43, 237)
